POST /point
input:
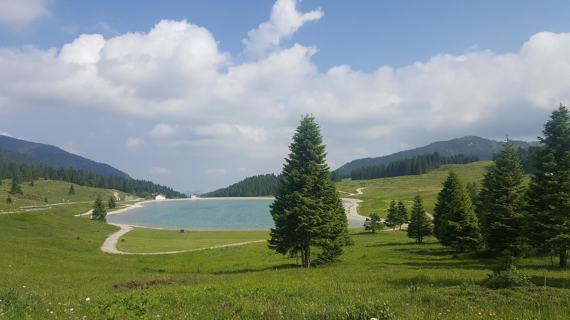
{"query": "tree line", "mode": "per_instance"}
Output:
(508, 218)
(260, 185)
(406, 167)
(20, 172)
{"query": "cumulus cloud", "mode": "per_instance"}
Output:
(175, 75)
(285, 20)
(163, 130)
(19, 13)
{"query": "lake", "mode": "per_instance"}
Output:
(204, 214)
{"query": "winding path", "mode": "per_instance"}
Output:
(110, 244)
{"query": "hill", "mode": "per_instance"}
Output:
(16, 150)
(55, 192)
(52, 268)
(379, 192)
(256, 186)
(483, 149)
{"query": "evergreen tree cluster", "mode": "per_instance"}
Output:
(260, 185)
(512, 219)
(99, 212)
(29, 172)
(397, 215)
(414, 166)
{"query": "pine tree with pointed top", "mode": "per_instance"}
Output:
(71, 190)
(15, 187)
(373, 223)
(548, 196)
(456, 224)
(112, 203)
(502, 204)
(99, 212)
(392, 216)
(420, 225)
(307, 210)
(402, 214)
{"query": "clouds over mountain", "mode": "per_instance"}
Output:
(176, 75)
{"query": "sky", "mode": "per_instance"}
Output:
(200, 94)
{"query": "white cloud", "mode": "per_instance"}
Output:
(216, 172)
(19, 13)
(176, 76)
(163, 130)
(160, 172)
(285, 20)
(134, 143)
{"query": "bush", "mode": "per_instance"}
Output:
(508, 278)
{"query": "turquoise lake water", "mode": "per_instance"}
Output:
(207, 214)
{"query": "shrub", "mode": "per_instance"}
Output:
(508, 278)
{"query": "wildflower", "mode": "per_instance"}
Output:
(87, 299)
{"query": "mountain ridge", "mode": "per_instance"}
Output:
(483, 148)
(53, 156)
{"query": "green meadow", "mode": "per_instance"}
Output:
(56, 192)
(51, 267)
(152, 240)
(379, 192)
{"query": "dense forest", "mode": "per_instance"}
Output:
(413, 166)
(261, 185)
(28, 172)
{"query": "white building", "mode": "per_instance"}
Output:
(160, 197)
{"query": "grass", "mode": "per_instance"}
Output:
(379, 192)
(151, 240)
(54, 191)
(51, 268)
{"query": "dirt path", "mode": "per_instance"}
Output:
(110, 244)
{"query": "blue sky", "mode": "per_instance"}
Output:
(212, 93)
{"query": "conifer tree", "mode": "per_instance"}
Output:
(373, 223)
(71, 190)
(402, 214)
(549, 191)
(15, 188)
(307, 210)
(420, 225)
(32, 183)
(502, 204)
(112, 203)
(99, 212)
(9, 200)
(456, 224)
(392, 216)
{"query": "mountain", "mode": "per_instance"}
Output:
(483, 149)
(261, 185)
(22, 151)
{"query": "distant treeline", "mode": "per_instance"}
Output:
(407, 167)
(261, 185)
(27, 172)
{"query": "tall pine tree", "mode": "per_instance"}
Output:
(99, 212)
(549, 191)
(420, 225)
(456, 224)
(402, 214)
(501, 205)
(392, 216)
(307, 210)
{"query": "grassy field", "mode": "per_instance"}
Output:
(379, 192)
(51, 268)
(151, 240)
(54, 191)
